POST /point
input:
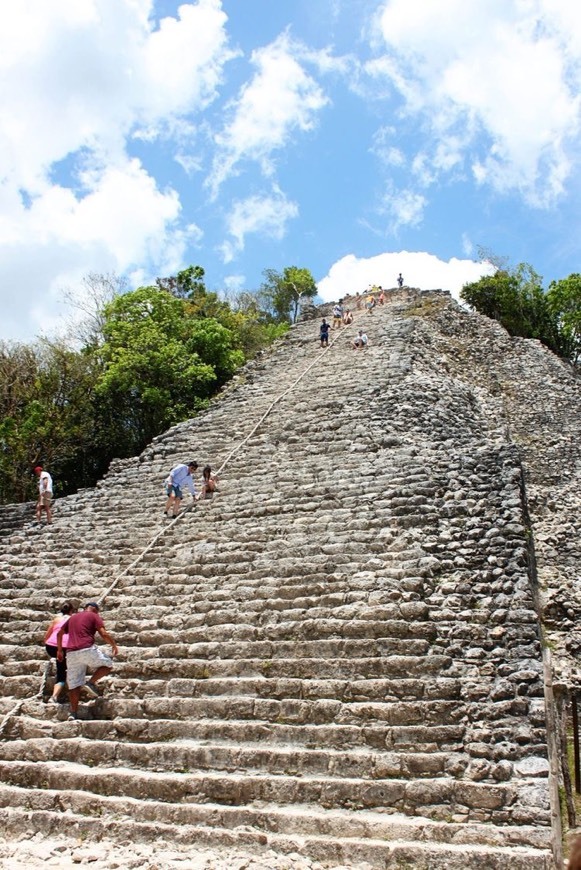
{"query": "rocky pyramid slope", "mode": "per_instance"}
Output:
(339, 654)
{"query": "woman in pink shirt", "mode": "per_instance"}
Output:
(50, 643)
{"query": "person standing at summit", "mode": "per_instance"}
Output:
(44, 494)
(180, 476)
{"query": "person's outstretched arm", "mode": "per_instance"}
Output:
(108, 639)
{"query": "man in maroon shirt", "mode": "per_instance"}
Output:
(82, 653)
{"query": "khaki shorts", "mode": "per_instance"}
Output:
(78, 660)
(45, 499)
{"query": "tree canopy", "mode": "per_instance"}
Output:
(515, 297)
(138, 362)
(564, 300)
(286, 290)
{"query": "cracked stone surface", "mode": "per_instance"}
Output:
(336, 660)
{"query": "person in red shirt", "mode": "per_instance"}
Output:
(82, 653)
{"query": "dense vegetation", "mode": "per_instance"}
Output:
(138, 363)
(515, 297)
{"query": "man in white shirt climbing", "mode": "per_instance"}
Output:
(180, 476)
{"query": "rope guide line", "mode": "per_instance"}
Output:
(17, 708)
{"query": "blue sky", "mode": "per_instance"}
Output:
(357, 138)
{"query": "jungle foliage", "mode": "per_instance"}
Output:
(139, 362)
(515, 297)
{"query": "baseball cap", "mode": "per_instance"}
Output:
(92, 604)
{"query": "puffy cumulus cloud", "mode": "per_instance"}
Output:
(184, 59)
(353, 274)
(280, 99)
(121, 220)
(265, 215)
(404, 208)
(496, 85)
(78, 80)
(102, 70)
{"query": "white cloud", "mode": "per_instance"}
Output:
(467, 245)
(425, 271)
(79, 79)
(404, 208)
(280, 99)
(234, 283)
(265, 215)
(99, 70)
(122, 220)
(496, 85)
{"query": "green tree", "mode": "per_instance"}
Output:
(46, 417)
(149, 379)
(564, 301)
(160, 363)
(515, 297)
(186, 284)
(284, 292)
(147, 359)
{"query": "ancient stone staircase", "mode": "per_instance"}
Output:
(338, 655)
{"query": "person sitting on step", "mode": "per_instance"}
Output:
(209, 482)
(361, 341)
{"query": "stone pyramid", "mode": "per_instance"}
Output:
(338, 656)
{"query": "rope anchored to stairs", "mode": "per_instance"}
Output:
(17, 708)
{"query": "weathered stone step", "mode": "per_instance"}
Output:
(474, 800)
(443, 696)
(260, 611)
(399, 637)
(430, 714)
(261, 607)
(307, 629)
(376, 854)
(341, 669)
(345, 650)
(373, 736)
(340, 825)
(335, 589)
(393, 666)
(188, 754)
(377, 698)
(296, 629)
(209, 594)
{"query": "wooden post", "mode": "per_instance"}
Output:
(576, 743)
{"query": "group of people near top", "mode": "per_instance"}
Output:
(343, 316)
(359, 343)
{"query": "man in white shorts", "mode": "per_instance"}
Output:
(82, 653)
